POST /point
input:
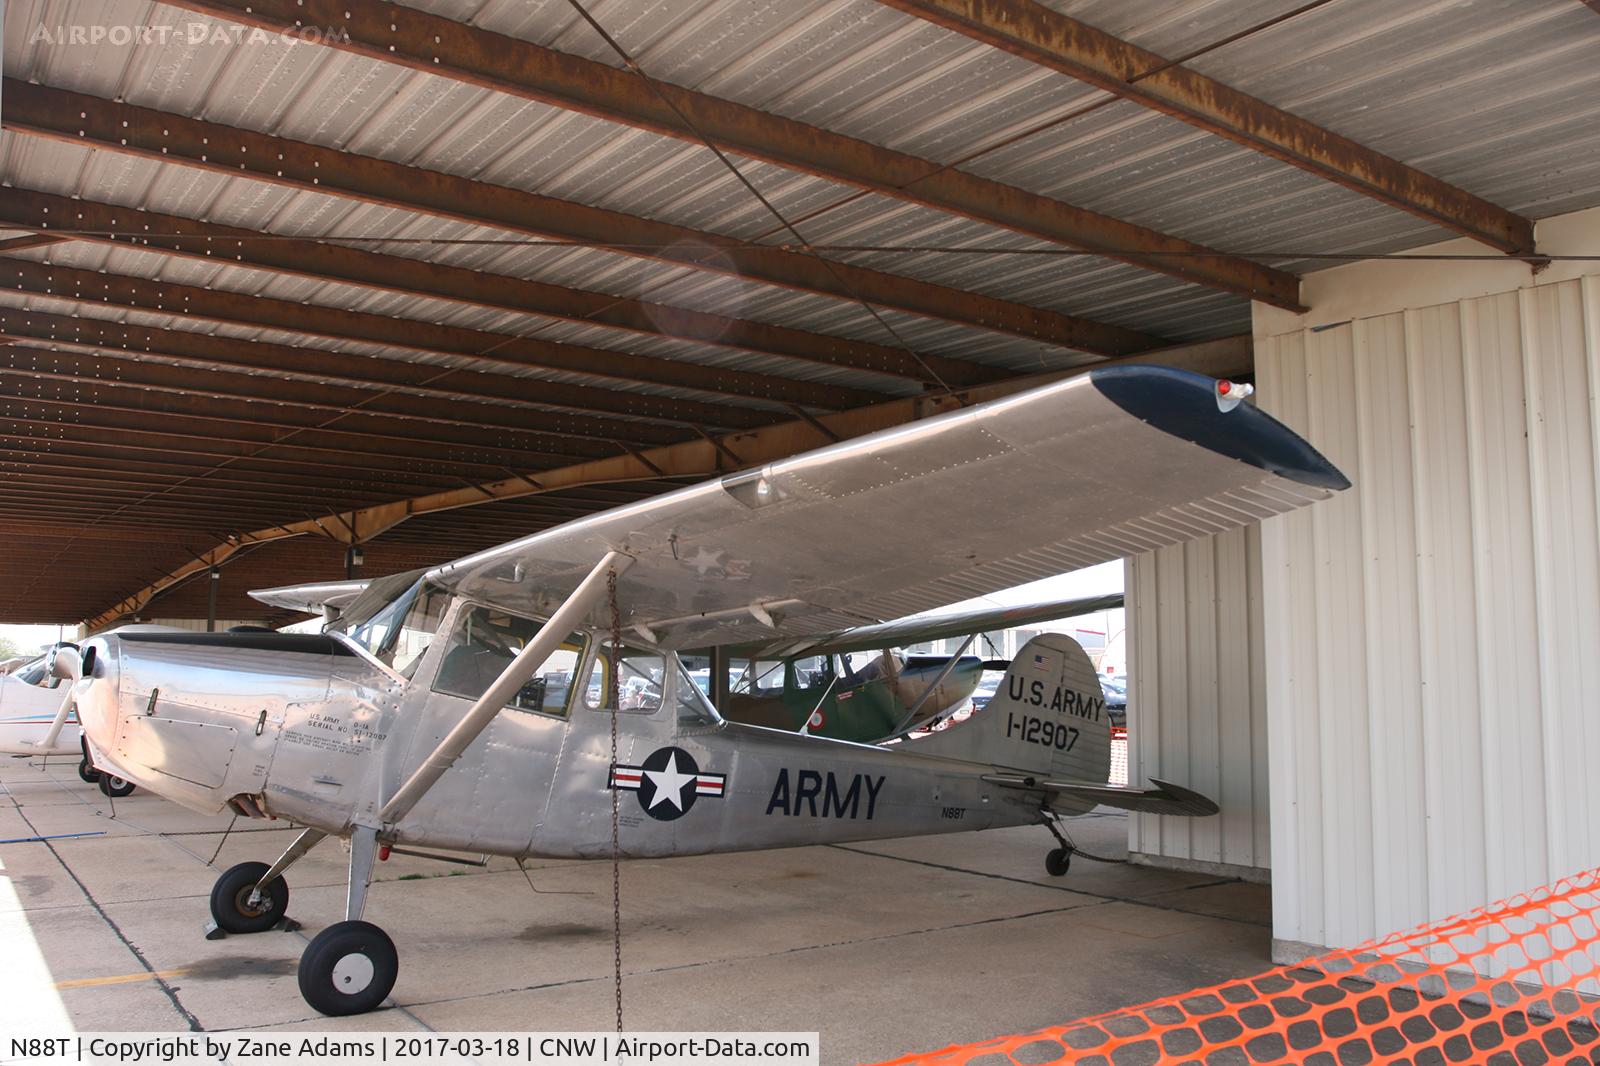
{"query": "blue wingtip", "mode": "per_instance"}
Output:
(1184, 404)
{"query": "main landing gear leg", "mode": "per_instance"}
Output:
(1059, 860)
(253, 897)
(350, 967)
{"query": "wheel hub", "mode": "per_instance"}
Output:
(252, 909)
(352, 973)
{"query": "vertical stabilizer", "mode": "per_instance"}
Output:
(1047, 719)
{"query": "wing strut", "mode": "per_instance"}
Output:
(513, 677)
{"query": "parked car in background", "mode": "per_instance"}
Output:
(1116, 694)
(987, 686)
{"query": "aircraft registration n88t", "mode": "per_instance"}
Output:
(473, 706)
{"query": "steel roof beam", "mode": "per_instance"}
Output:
(367, 372)
(107, 509)
(119, 431)
(72, 456)
(1048, 38)
(55, 476)
(308, 257)
(82, 119)
(446, 48)
(30, 241)
(279, 402)
(236, 422)
(34, 470)
(491, 349)
(147, 501)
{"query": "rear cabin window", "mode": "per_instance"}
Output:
(641, 682)
(482, 645)
(762, 677)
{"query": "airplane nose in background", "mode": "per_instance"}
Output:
(99, 691)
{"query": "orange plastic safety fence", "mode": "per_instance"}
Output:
(1516, 983)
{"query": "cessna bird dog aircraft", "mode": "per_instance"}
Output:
(465, 707)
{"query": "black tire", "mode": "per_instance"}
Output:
(349, 968)
(87, 772)
(230, 900)
(1057, 862)
(112, 785)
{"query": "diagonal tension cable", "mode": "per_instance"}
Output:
(804, 244)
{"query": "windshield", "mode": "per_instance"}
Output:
(396, 624)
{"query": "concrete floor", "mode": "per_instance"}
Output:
(884, 948)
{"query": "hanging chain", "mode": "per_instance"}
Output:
(614, 698)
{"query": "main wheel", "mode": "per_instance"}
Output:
(114, 786)
(88, 772)
(349, 968)
(230, 899)
(1057, 862)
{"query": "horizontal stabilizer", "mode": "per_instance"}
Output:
(1165, 798)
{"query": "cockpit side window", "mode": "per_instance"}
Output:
(760, 677)
(482, 645)
(814, 671)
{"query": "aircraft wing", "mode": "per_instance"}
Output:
(1165, 798)
(311, 598)
(1112, 463)
(907, 631)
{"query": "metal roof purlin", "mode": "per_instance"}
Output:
(362, 371)
(492, 349)
(1081, 52)
(177, 235)
(443, 47)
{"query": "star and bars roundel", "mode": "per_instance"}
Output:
(668, 783)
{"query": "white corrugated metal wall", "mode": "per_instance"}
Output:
(1197, 707)
(1432, 637)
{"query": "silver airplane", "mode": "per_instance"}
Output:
(507, 703)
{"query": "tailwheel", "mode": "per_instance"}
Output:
(1058, 861)
(87, 771)
(232, 908)
(112, 785)
(349, 968)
